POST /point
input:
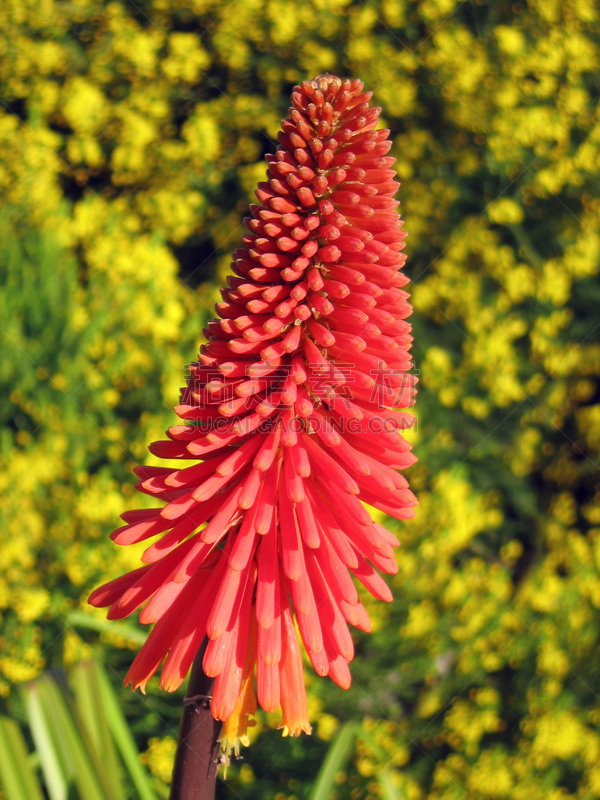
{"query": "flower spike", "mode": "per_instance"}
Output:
(292, 421)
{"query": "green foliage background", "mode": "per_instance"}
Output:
(131, 137)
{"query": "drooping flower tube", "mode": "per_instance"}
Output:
(292, 420)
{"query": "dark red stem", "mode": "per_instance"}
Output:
(197, 755)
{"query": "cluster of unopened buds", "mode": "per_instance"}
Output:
(292, 421)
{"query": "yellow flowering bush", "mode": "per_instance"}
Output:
(131, 138)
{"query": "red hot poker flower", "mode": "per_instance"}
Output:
(291, 425)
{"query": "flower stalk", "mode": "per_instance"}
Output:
(197, 755)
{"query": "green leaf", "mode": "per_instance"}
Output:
(67, 739)
(380, 753)
(383, 776)
(17, 780)
(91, 717)
(122, 736)
(53, 764)
(335, 761)
(79, 619)
(389, 792)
